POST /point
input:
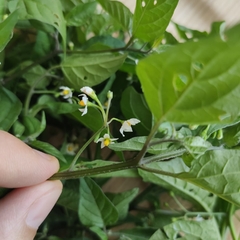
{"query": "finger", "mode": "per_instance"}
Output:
(24, 209)
(21, 165)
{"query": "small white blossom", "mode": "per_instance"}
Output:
(71, 148)
(66, 92)
(106, 140)
(83, 103)
(87, 90)
(127, 125)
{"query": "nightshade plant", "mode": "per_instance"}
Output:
(113, 94)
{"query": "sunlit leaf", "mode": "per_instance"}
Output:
(151, 18)
(196, 82)
(218, 172)
(189, 191)
(90, 69)
(119, 12)
(10, 108)
(190, 229)
(6, 29)
(95, 209)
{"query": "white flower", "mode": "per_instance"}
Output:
(127, 125)
(66, 92)
(87, 90)
(83, 103)
(71, 148)
(106, 140)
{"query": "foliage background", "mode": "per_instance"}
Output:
(203, 92)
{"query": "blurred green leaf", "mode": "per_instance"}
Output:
(119, 12)
(6, 29)
(158, 235)
(151, 18)
(33, 127)
(195, 83)
(95, 209)
(10, 108)
(80, 14)
(193, 230)
(18, 129)
(92, 120)
(43, 12)
(90, 69)
(47, 148)
(100, 233)
(35, 76)
(122, 200)
(70, 195)
(231, 136)
(133, 105)
(138, 233)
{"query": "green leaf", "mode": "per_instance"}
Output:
(193, 230)
(158, 235)
(62, 107)
(95, 209)
(43, 12)
(217, 172)
(33, 127)
(151, 18)
(70, 195)
(90, 69)
(189, 191)
(18, 129)
(119, 12)
(133, 105)
(6, 29)
(92, 120)
(122, 200)
(231, 136)
(136, 144)
(79, 15)
(35, 76)
(138, 233)
(195, 83)
(47, 148)
(10, 108)
(100, 233)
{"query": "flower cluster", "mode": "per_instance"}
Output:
(106, 140)
(84, 103)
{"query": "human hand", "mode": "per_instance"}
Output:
(26, 170)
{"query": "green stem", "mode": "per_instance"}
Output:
(94, 171)
(148, 140)
(230, 222)
(153, 170)
(32, 91)
(83, 148)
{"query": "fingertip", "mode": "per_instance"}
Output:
(24, 209)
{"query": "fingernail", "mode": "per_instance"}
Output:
(39, 210)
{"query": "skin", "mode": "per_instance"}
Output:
(26, 170)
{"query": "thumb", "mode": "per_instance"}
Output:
(24, 209)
